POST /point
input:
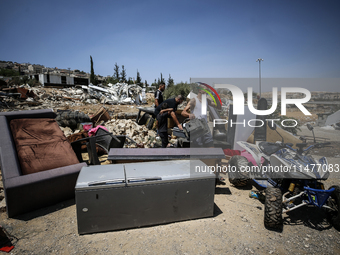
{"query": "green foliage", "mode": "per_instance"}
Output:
(178, 89)
(16, 81)
(33, 82)
(155, 84)
(93, 79)
(161, 80)
(116, 72)
(8, 72)
(123, 74)
(24, 79)
(138, 79)
(276, 115)
(111, 80)
(130, 81)
(150, 88)
(170, 82)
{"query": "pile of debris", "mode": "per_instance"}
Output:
(25, 96)
(138, 134)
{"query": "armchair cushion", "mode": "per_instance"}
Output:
(41, 145)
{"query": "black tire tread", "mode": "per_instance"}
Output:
(238, 178)
(71, 118)
(335, 217)
(273, 208)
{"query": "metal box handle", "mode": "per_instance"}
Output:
(157, 178)
(106, 182)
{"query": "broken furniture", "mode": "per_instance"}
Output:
(102, 114)
(38, 165)
(102, 138)
(111, 197)
(148, 111)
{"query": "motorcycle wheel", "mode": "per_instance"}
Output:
(238, 178)
(273, 208)
(334, 203)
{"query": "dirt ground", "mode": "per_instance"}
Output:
(236, 227)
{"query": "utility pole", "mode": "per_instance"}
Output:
(259, 60)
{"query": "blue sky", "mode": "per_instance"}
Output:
(182, 38)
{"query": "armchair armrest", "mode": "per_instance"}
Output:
(33, 191)
(45, 113)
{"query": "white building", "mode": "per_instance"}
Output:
(62, 80)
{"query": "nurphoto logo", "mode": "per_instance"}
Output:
(238, 103)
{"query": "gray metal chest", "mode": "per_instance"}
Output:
(112, 197)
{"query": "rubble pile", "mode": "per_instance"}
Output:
(25, 96)
(140, 134)
(128, 127)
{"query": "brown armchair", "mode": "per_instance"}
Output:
(25, 191)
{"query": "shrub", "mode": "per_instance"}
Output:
(179, 89)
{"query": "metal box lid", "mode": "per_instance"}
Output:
(164, 171)
(118, 175)
(103, 175)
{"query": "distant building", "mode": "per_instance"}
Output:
(60, 80)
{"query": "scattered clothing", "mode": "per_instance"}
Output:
(93, 131)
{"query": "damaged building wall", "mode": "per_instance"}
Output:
(59, 80)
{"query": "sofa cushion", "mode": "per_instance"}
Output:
(41, 145)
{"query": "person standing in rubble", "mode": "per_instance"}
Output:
(162, 120)
(159, 95)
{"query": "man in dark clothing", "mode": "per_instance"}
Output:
(172, 104)
(159, 94)
(162, 119)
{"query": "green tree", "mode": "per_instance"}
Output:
(162, 79)
(33, 82)
(108, 80)
(116, 72)
(8, 72)
(25, 79)
(178, 89)
(155, 84)
(92, 76)
(138, 79)
(146, 84)
(123, 74)
(15, 81)
(170, 82)
(130, 81)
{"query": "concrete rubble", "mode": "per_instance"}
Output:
(129, 127)
(24, 96)
(122, 123)
(139, 134)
